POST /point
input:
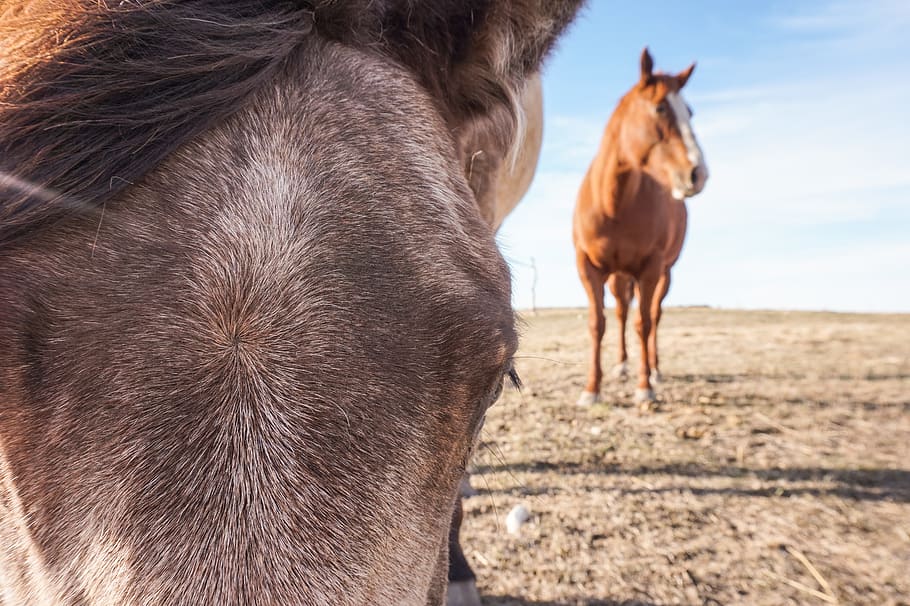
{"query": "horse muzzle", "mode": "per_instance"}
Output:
(686, 185)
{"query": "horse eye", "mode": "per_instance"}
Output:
(513, 379)
(662, 108)
(497, 391)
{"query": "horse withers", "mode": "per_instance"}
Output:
(630, 217)
(250, 315)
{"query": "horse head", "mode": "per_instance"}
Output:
(252, 317)
(656, 132)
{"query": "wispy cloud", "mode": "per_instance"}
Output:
(819, 145)
(571, 140)
(850, 24)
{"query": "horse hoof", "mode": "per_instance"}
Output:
(644, 395)
(463, 593)
(656, 377)
(620, 372)
(587, 398)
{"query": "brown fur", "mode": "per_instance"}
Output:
(501, 175)
(626, 221)
(251, 317)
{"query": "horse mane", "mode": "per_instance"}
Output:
(95, 93)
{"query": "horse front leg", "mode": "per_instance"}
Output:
(593, 280)
(647, 285)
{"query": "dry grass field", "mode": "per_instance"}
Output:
(774, 470)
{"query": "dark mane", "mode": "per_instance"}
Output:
(93, 94)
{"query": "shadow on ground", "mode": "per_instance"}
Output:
(515, 601)
(859, 484)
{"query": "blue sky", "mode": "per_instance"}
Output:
(803, 112)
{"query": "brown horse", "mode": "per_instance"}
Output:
(250, 315)
(630, 218)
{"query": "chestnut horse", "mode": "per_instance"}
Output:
(251, 317)
(630, 218)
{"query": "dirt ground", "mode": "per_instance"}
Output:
(775, 469)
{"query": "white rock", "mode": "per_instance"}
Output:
(517, 518)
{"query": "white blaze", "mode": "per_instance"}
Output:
(683, 121)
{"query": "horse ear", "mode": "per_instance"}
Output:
(475, 55)
(683, 76)
(647, 66)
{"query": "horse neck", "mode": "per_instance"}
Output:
(616, 179)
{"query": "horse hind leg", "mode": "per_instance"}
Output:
(660, 293)
(622, 287)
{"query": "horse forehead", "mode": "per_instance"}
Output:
(385, 219)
